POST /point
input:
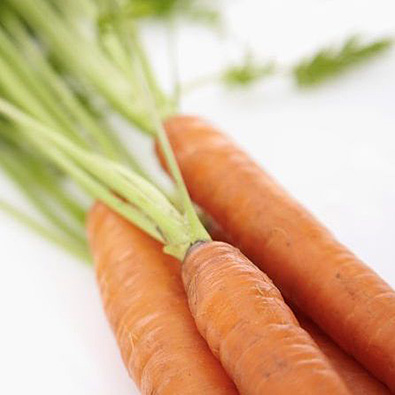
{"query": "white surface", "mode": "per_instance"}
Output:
(333, 148)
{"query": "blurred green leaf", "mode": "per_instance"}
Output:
(198, 10)
(330, 62)
(247, 73)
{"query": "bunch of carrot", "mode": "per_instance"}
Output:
(206, 320)
(312, 269)
(236, 308)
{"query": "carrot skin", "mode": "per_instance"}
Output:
(357, 379)
(311, 268)
(248, 326)
(145, 302)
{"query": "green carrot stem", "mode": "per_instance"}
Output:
(13, 67)
(161, 218)
(107, 140)
(197, 231)
(76, 249)
(173, 54)
(84, 60)
(40, 178)
(166, 106)
(98, 190)
(19, 174)
(104, 179)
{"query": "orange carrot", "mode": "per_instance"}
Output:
(216, 232)
(358, 380)
(146, 305)
(312, 269)
(248, 326)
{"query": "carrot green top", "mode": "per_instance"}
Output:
(46, 121)
(65, 68)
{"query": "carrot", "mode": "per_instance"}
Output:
(311, 268)
(146, 305)
(216, 232)
(248, 326)
(358, 380)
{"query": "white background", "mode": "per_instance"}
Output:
(332, 147)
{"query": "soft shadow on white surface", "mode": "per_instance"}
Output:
(333, 148)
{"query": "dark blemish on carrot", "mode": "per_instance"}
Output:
(194, 246)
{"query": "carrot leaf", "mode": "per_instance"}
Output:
(247, 73)
(331, 62)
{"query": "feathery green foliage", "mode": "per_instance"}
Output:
(330, 62)
(247, 73)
